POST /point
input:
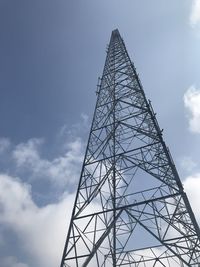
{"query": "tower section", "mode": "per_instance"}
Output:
(130, 208)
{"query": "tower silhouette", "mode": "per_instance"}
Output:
(130, 208)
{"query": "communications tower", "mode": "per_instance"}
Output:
(130, 208)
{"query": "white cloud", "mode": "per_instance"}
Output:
(4, 144)
(192, 104)
(188, 164)
(41, 231)
(68, 132)
(85, 119)
(61, 170)
(195, 13)
(27, 153)
(192, 188)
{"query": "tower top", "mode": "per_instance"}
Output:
(115, 32)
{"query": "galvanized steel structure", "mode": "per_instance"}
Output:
(130, 208)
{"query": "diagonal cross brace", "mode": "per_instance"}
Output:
(101, 239)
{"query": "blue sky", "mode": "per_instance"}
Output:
(51, 54)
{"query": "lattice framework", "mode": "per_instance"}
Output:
(129, 185)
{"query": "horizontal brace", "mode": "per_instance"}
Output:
(128, 206)
(121, 154)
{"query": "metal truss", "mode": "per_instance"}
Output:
(130, 208)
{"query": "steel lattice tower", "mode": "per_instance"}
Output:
(130, 208)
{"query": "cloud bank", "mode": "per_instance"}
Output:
(62, 170)
(33, 232)
(40, 231)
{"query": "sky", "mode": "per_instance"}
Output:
(51, 55)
